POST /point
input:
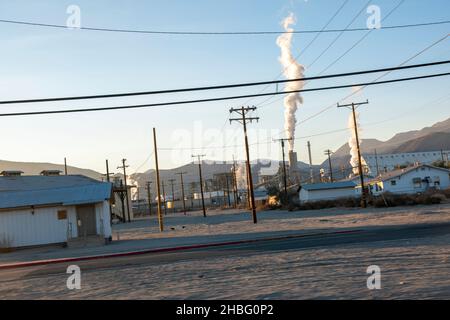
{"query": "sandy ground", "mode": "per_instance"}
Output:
(239, 222)
(237, 225)
(413, 269)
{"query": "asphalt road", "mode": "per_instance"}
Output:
(264, 246)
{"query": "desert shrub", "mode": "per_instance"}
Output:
(445, 192)
(394, 200)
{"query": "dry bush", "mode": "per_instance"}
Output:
(394, 200)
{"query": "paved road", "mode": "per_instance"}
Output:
(266, 246)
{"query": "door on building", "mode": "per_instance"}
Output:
(86, 220)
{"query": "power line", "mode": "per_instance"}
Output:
(267, 32)
(383, 75)
(304, 50)
(228, 86)
(361, 39)
(351, 48)
(171, 103)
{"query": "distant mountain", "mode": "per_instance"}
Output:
(431, 138)
(431, 142)
(34, 168)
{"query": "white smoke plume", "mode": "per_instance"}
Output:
(241, 176)
(291, 70)
(353, 144)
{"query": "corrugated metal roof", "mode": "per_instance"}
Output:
(329, 185)
(43, 190)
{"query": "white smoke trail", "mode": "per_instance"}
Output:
(291, 70)
(241, 176)
(353, 144)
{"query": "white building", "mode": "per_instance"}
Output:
(39, 210)
(389, 162)
(327, 191)
(410, 180)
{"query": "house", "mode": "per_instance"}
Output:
(49, 209)
(415, 179)
(326, 191)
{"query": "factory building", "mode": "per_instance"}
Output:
(387, 162)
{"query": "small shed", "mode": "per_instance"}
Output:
(327, 191)
(48, 209)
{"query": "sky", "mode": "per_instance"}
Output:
(38, 62)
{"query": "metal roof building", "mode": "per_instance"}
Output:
(37, 210)
(327, 191)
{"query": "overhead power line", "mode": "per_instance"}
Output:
(171, 103)
(229, 86)
(231, 33)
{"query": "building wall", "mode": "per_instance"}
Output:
(327, 194)
(41, 226)
(391, 161)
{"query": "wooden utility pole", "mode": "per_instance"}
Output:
(311, 174)
(328, 153)
(65, 166)
(164, 198)
(284, 167)
(228, 189)
(243, 120)
(149, 196)
(113, 194)
(173, 194)
(376, 163)
(235, 190)
(198, 156)
(360, 168)
(124, 166)
(182, 190)
(160, 218)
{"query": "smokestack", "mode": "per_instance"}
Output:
(293, 166)
(291, 70)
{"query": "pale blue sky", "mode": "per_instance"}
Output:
(41, 62)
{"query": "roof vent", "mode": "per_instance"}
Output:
(11, 173)
(50, 172)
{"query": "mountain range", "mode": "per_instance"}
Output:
(432, 138)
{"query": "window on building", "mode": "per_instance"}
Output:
(393, 183)
(62, 214)
(417, 182)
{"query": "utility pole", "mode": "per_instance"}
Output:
(243, 120)
(360, 169)
(160, 218)
(284, 167)
(228, 189)
(311, 174)
(376, 163)
(149, 196)
(198, 156)
(328, 153)
(173, 195)
(65, 166)
(108, 180)
(182, 190)
(107, 171)
(164, 198)
(235, 190)
(124, 166)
